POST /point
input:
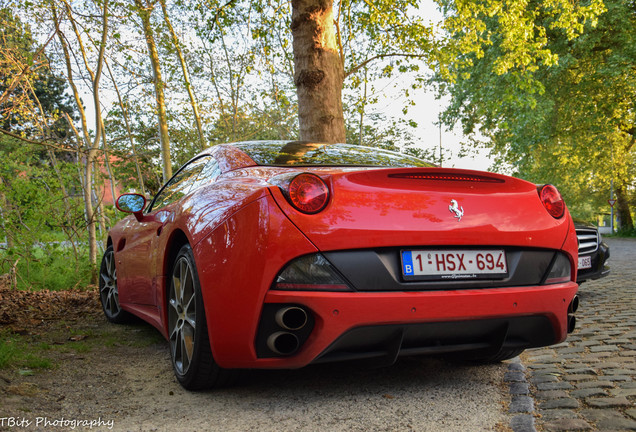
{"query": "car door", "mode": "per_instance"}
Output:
(142, 255)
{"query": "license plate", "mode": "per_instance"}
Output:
(453, 264)
(585, 262)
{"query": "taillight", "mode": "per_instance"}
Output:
(308, 193)
(560, 271)
(310, 273)
(552, 201)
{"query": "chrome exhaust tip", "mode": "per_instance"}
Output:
(571, 323)
(291, 318)
(283, 343)
(574, 305)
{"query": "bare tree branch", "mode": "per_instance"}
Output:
(381, 56)
(25, 70)
(47, 142)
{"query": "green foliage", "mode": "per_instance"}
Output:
(43, 228)
(519, 30)
(36, 103)
(567, 117)
(52, 266)
(39, 205)
(622, 232)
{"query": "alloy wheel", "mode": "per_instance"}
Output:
(108, 285)
(182, 315)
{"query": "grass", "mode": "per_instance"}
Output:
(16, 352)
(29, 354)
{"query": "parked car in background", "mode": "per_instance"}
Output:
(593, 253)
(284, 254)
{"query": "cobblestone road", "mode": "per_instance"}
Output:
(589, 381)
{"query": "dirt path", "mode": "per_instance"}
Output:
(120, 378)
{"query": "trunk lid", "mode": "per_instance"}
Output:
(391, 207)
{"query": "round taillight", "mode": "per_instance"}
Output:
(308, 193)
(552, 201)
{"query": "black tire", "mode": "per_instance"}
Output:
(108, 291)
(192, 360)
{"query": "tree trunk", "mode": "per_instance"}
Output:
(90, 212)
(91, 145)
(109, 169)
(623, 214)
(186, 75)
(362, 108)
(162, 118)
(626, 223)
(319, 71)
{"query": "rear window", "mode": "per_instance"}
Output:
(305, 153)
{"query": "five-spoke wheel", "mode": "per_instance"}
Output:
(182, 313)
(108, 293)
(192, 359)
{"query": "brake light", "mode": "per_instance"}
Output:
(552, 201)
(308, 193)
(447, 177)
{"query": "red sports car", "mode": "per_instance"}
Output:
(282, 254)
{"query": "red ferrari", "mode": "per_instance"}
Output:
(283, 254)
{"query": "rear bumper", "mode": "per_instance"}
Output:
(482, 338)
(359, 325)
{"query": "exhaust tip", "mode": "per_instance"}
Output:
(571, 323)
(291, 318)
(283, 343)
(574, 305)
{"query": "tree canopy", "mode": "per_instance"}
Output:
(568, 117)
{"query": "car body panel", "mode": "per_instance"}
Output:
(407, 213)
(141, 244)
(231, 267)
(339, 312)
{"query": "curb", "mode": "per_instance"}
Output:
(521, 404)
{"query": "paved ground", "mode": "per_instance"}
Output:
(588, 382)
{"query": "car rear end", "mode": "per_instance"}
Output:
(415, 261)
(371, 263)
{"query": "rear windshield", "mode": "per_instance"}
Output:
(319, 154)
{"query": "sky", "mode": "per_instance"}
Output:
(426, 112)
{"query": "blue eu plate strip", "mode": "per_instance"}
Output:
(407, 263)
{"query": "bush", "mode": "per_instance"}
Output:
(53, 266)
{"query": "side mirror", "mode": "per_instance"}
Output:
(131, 203)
